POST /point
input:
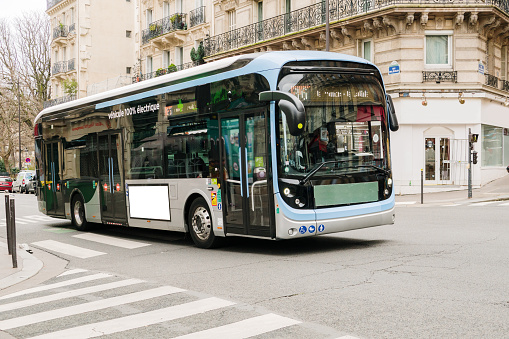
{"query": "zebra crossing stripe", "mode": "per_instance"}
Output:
(478, 204)
(138, 320)
(245, 328)
(57, 285)
(103, 239)
(74, 271)
(87, 307)
(26, 220)
(75, 251)
(68, 294)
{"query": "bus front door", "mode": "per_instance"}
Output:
(245, 190)
(53, 189)
(111, 175)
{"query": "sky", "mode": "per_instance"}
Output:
(14, 8)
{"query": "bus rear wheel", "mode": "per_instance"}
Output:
(78, 214)
(200, 225)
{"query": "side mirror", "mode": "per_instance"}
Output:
(291, 106)
(393, 119)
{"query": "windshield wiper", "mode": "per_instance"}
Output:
(317, 168)
(313, 172)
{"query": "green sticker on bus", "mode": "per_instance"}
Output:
(214, 181)
(258, 161)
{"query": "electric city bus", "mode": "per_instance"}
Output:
(275, 145)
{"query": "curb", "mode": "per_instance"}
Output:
(30, 267)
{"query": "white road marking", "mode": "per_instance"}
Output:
(478, 204)
(74, 271)
(103, 239)
(57, 285)
(75, 251)
(26, 220)
(405, 202)
(245, 328)
(504, 204)
(138, 320)
(87, 307)
(68, 294)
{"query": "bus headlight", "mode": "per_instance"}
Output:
(286, 192)
(389, 182)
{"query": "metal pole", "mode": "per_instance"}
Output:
(470, 146)
(13, 233)
(327, 25)
(8, 222)
(19, 124)
(422, 186)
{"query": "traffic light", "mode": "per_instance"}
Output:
(474, 137)
(474, 157)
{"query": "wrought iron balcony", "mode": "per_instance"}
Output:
(58, 101)
(51, 3)
(491, 80)
(169, 24)
(70, 65)
(197, 16)
(439, 76)
(60, 31)
(314, 15)
(59, 67)
(162, 71)
(505, 85)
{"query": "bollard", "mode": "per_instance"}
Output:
(8, 222)
(13, 233)
(422, 187)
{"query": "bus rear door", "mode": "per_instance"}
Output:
(53, 190)
(111, 175)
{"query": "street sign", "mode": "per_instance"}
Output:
(481, 68)
(394, 68)
(27, 160)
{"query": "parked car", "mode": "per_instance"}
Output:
(5, 184)
(21, 182)
(32, 185)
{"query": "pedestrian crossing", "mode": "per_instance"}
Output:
(83, 304)
(28, 219)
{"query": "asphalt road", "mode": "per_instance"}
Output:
(440, 271)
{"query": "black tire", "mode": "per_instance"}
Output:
(79, 219)
(200, 225)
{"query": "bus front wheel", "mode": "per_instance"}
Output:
(200, 225)
(78, 214)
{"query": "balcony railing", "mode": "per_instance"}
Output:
(491, 80)
(63, 66)
(439, 76)
(197, 16)
(51, 3)
(59, 67)
(505, 85)
(60, 31)
(169, 24)
(163, 71)
(314, 15)
(70, 65)
(58, 101)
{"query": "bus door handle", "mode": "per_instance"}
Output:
(247, 174)
(54, 188)
(240, 168)
(110, 173)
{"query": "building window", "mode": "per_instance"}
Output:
(166, 9)
(128, 70)
(492, 146)
(149, 17)
(127, 34)
(232, 20)
(178, 6)
(438, 49)
(179, 56)
(166, 59)
(366, 49)
(149, 64)
(260, 11)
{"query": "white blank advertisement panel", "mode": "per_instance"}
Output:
(149, 202)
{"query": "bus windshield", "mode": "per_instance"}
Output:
(346, 126)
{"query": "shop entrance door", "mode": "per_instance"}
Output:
(437, 160)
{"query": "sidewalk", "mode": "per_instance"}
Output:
(30, 265)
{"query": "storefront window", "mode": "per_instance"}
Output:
(492, 146)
